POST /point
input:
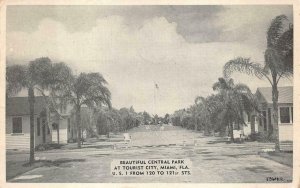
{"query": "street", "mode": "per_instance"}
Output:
(212, 159)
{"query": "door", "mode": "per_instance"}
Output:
(270, 125)
(44, 131)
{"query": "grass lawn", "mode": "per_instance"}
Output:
(285, 158)
(15, 168)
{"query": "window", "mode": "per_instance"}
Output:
(285, 115)
(264, 114)
(38, 124)
(48, 130)
(249, 117)
(17, 124)
(292, 112)
(54, 126)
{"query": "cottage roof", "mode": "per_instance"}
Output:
(285, 94)
(17, 106)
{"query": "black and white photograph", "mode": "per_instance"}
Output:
(149, 93)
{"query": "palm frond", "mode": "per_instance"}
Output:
(285, 41)
(16, 79)
(243, 65)
(275, 30)
(217, 86)
(274, 61)
(223, 84)
(242, 88)
(199, 99)
(40, 72)
(285, 48)
(230, 82)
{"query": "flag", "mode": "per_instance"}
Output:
(156, 86)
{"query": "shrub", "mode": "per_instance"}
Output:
(43, 147)
(262, 137)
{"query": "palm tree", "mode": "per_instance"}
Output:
(36, 75)
(235, 99)
(203, 111)
(146, 118)
(87, 89)
(194, 112)
(278, 63)
(60, 78)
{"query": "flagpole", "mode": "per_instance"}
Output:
(154, 98)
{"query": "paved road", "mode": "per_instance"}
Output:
(212, 160)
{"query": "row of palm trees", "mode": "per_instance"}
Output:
(102, 121)
(57, 81)
(226, 107)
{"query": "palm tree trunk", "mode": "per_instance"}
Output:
(58, 131)
(252, 124)
(82, 136)
(275, 115)
(48, 120)
(78, 120)
(231, 132)
(205, 129)
(31, 111)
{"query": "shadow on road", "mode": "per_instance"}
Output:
(60, 162)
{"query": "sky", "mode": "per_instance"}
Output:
(182, 49)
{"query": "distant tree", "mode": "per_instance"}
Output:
(155, 119)
(278, 63)
(146, 118)
(138, 118)
(87, 116)
(103, 121)
(195, 116)
(204, 111)
(166, 119)
(187, 120)
(177, 117)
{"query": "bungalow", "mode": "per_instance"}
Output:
(50, 125)
(18, 123)
(285, 111)
(263, 122)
